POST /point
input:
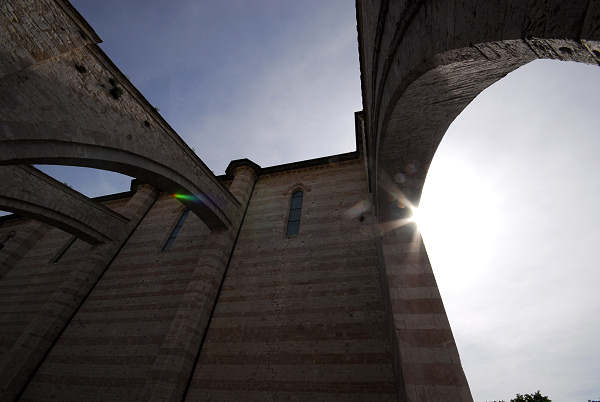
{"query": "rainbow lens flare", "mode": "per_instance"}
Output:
(186, 197)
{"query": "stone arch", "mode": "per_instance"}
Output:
(422, 114)
(422, 62)
(78, 109)
(29, 192)
(214, 212)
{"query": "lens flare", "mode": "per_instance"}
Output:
(186, 197)
(415, 215)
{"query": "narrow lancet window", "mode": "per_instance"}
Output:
(293, 225)
(176, 230)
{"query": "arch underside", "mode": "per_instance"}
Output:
(414, 127)
(429, 368)
(58, 152)
(422, 62)
(27, 191)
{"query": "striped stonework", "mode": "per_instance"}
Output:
(427, 362)
(300, 318)
(55, 292)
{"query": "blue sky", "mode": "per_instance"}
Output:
(510, 200)
(236, 79)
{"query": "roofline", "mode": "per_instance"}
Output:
(324, 160)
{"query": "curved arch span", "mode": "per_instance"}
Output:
(422, 62)
(27, 191)
(213, 208)
(423, 112)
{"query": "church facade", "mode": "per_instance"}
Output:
(299, 282)
(299, 311)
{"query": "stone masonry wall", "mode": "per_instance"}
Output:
(111, 343)
(28, 284)
(136, 334)
(300, 318)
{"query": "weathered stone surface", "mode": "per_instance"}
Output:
(346, 310)
(77, 108)
(168, 378)
(47, 313)
(301, 318)
(29, 192)
(422, 62)
(36, 30)
(17, 238)
(116, 335)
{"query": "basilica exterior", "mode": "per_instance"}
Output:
(306, 281)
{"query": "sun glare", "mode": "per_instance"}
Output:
(458, 219)
(418, 217)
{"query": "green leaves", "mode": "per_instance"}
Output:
(537, 397)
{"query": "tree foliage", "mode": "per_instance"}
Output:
(537, 397)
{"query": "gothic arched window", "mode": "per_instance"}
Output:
(293, 225)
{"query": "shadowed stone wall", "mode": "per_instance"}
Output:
(347, 310)
(42, 292)
(109, 348)
(422, 62)
(301, 318)
(134, 330)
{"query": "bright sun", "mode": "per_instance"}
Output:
(458, 218)
(417, 217)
